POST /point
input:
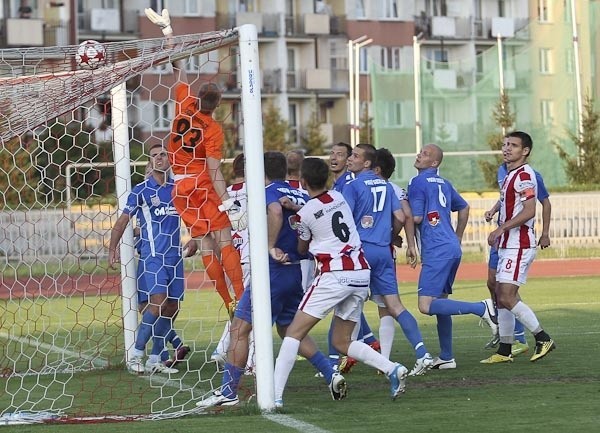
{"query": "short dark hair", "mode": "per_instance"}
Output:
(314, 173)
(238, 165)
(385, 161)
(526, 140)
(346, 145)
(210, 96)
(275, 165)
(370, 152)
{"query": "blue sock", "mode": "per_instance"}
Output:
(174, 339)
(145, 330)
(520, 332)
(334, 356)
(320, 362)
(366, 331)
(161, 328)
(444, 329)
(411, 331)
(231, 380)
(450, 307)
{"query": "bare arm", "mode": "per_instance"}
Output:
(544, 241)
(490, 213)
(274, 224)
(217, 178)
(526, 214)
(114, 255)
(463, 218)
(303, 246)
(409, 229)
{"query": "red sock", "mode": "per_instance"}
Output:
(233, 269)
(214, 270)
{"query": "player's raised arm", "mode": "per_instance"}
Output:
(164, 22)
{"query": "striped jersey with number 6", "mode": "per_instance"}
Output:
(326, 220)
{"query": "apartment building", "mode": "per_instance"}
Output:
(303, 47)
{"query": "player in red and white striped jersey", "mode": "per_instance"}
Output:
(519, 186)
(328, 231)
(515, 239)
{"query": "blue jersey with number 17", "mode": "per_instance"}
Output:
(434, 199)
(373, 202)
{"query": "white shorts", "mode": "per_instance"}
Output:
(344, 292)
(308, 268)
(513, 265)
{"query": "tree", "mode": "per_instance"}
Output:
(365, 134)
(504, 118)
(275, 129)
(17, 174)
(313, 139)
(584, 168)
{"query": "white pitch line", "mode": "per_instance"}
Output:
(288, 421)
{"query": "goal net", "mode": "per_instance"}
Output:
(72, 143)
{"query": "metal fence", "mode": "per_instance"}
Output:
(82, 232)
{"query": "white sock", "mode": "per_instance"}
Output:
(527, 317)
(153, 359)
(367, 355)
(387, 329)
(506, 325)
(284, 364)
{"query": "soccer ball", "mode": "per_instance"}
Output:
(90, 54)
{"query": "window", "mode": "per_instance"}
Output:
(191, 7)
(206, 63)
(545, 61)
(544, 11)
(390, 9)
(571, 112)
(390, 58)
(338, 54)
(162, 115)
(359, 7)
(293, 123)
(293, 81)
(392, 115)
(501, 8)
(569, 65)
(436, 8)
(547, 112)
(363, 61)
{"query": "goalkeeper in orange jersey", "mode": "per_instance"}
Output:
(200, 195)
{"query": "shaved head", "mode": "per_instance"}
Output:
(437, 154)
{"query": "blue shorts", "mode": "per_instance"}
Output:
(383, 269)
(437, 277)
(493, 261)
(160, 275)
(286, 294)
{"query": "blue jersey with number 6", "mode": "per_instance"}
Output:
(434, 199)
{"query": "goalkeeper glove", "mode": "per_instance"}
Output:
(163, 20)
(238, 219)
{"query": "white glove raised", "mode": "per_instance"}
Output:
(238, 219)
(163, 20)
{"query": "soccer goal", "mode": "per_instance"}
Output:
(74, 127)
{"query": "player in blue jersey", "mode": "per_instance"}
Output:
(379, 219)
(433, 199)
(520, 345)
(160, 267)
(286, 287)
(338, 163)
